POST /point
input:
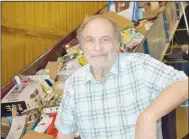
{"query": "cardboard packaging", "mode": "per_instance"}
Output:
(50, 110)
(122, 22)
(104, 10)
(141, 29)
(126, 9)
(52, 101)
(58, 87)
(47, 89)
(144, 27)
(24, 97)
(17, 127)
(52, 68)
(131, 39)
(43, 124)
(32, 117)
(151, 9)
(141, 4)
(5, 127)
(35, 135)
(52, 129)
(162, 3)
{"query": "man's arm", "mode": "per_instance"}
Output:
(169, 88)
(169, 99)
(63, 136)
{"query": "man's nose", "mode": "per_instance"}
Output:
(98, 46)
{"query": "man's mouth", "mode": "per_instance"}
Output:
(98, 55)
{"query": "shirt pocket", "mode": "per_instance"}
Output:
(89, 124)
(132, 104)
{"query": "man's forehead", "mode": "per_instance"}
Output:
(98, 28)
(98, 22)
(103, 36)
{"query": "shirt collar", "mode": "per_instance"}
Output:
(89, 75)
(113, 70)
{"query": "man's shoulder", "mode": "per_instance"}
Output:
(133, 57)
(81, 72)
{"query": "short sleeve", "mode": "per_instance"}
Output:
(158, 75)
(65, 121)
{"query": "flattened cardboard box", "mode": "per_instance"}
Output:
(141, 29)
(122, 22)
(17, 127)
(52, 68)
(151, 9)
(35, 135)
(58, 86)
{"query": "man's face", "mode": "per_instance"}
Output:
(99, 43)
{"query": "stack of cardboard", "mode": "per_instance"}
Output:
(32, 104)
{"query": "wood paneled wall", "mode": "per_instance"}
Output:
(30, 28)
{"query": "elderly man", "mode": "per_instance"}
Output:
(117, 95)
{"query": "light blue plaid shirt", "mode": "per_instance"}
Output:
(109, 110)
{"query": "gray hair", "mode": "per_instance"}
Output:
(86, 20)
